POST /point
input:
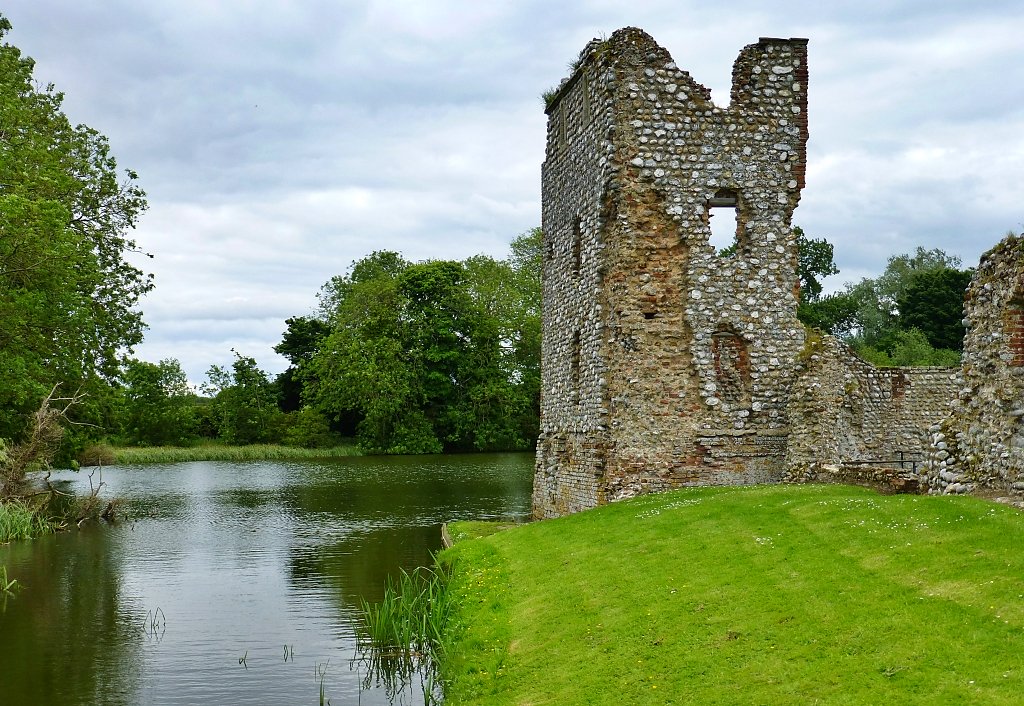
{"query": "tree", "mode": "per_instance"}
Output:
(244, 404)
(816, 259)
(67, 291)
(933, 303)
(877, 299)
(158, 404)
(911, 312)
(302, 338)
(433, 355)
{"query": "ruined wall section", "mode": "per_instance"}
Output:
(705, 345)
(981, 446)
(843, 409)
(664, 363)
(570, 449)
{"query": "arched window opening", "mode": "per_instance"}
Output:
(723, 214)
(732, 367)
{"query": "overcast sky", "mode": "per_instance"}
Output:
(280, 141)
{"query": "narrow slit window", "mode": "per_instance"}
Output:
(574, 368)
(577, 245)
(585, 87)
(562, 140)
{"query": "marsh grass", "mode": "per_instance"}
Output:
(403, 637)
(18, 520)
(772, 594)
(128, 455)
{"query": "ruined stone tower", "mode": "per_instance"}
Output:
(665, 363)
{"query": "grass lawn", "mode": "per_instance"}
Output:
(755, 595)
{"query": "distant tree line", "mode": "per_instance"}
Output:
(912, 314)
(403, 357)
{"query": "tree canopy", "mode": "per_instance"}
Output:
(911, 314)
(436, 355)
(67, 291)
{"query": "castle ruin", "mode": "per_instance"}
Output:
(666, 362)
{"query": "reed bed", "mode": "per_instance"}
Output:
(128, 456)
(19, 521)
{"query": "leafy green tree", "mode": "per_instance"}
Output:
(933, 303)
(908, 347)
(878, 299)
(434, 355)
(67, 291)
(158, 404)
(244, 402)
(816, 259)
(879, 323)
(309, 429)
(301, 340)
(361, 368)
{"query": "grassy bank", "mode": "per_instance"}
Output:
(782, 595)
(215, 452)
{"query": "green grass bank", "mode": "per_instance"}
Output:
(755, 595)
(131, 455)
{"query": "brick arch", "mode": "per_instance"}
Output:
(731, 355)
(1013, 327)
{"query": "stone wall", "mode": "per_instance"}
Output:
(665, 364)
(980, 447)
(843, 409)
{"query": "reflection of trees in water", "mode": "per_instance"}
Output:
(389, 514)
(68, 636)
(357, 566)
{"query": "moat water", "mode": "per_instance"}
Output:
(233, 583)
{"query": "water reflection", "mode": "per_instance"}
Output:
(68, 635)
(244, 562)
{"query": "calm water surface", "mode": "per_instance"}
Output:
(218, 562)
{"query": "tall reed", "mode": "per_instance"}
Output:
(406, 633)
(214, 452)
(7, 586)
(19, 521)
